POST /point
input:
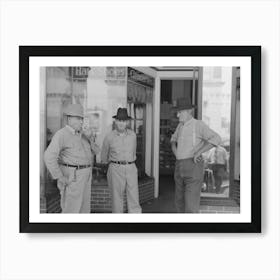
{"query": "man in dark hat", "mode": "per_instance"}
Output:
(191, 138)
(69, 159)
(119, 151)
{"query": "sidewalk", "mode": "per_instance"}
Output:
(165, 202)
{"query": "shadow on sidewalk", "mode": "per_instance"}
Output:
(165, 202)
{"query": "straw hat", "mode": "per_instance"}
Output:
(75, 110)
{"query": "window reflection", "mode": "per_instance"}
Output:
(101, 91)
(216, 113)
(106, 92)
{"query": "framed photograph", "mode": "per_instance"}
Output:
(143, 139)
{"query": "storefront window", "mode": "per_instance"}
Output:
(101, 91)
(64, 85)
(106, 92)
(139, 103)
(216, 113)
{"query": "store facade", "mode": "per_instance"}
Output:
(150, 95)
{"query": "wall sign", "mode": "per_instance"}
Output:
(140, 78)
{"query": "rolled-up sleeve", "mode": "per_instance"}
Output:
(51, 156)
(105, 150)
(209, 135)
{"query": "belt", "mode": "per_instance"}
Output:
(122, 162)
(76, 166)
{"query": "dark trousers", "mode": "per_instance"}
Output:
(188, 178)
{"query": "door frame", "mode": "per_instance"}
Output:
(169, 75)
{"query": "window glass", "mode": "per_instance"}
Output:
(101, 91)
(106, 92)
(216, 113)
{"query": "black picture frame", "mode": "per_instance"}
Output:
(254, 52)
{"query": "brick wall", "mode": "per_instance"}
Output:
(235, 191)
(146, 190)
(218, 205)
(43, 205)
(101, 197)
(53, 202)
(219, 209)
(101, 200)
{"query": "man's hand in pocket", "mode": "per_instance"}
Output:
(62, 182)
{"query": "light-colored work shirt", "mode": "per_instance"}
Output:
(218, 155)
(119, 146)
(191, 136)
(68, 147)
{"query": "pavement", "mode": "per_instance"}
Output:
(165, 202)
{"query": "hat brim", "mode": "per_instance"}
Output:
(185, 108)
(74, 115)
(122, 119)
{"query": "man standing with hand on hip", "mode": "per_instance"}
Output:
(69, 159)
(119, 151)
(191, 138)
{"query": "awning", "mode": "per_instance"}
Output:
(139, 93)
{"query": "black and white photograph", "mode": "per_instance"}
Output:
(112, 109)
(144, 143)
(139, 140)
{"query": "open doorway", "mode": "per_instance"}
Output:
(214, 107)
(215, 93)
(171, 91)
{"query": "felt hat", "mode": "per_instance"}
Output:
(184, 104)
(122, 115)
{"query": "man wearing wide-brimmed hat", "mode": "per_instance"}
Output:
(69, 159)
(119, 151)
(191, 138)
